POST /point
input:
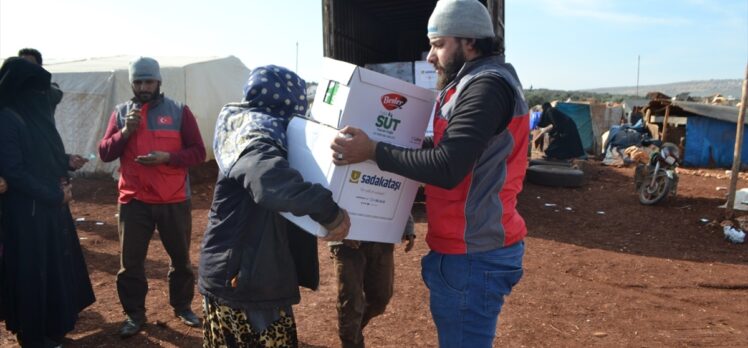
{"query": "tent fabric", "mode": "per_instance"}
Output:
(581, 115)
(92, 87)
(624, 136)
(711, 142)
(603, 118)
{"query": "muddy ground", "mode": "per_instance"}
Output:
(605, 272)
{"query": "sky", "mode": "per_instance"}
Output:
(556, 44)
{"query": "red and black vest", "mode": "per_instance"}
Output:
(480, 213)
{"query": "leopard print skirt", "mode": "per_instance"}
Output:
(226, 327)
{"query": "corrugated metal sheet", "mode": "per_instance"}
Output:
(380, 31)
(368, 31)
(404, 14)
(718, 112)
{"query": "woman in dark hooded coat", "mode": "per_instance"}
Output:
(565, 142)
(252, 260)
(45, 282)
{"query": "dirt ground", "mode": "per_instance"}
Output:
(600, 270)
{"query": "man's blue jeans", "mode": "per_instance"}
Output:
(467, 292)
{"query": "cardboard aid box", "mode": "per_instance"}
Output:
(378, 202)
(388, 110)
(425, 76)
(398, 70)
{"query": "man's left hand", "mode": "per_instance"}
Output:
(410, 241)
(154, 158)
(353, 146)
(409, 233)
(75, 162)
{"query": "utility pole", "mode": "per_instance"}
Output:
(638, 63)
(736, 157)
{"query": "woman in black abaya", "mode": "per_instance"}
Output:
(44, 282)
(565, 142)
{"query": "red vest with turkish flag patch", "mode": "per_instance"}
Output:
(159, 130)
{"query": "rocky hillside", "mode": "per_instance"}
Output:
(696, 88)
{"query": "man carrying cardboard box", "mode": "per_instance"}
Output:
(473, 167)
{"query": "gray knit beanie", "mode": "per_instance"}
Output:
(460, 18)
(144, 68)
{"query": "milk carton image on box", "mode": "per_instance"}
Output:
(378, 202)
(386, 108)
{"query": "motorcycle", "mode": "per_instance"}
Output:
(657, 179)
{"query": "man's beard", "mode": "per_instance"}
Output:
(450, 69)
(144, 97)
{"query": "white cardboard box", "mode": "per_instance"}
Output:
(378, 202)
(398, 70)
(425, 74)
(386, 108)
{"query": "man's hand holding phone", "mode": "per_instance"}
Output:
(153, 158)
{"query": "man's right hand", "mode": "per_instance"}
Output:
(132, 122)
(3, 185)
(340, 231)
(75, 162)
(353, 147)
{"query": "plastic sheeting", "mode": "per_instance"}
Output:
(711, 142)
(535, 119)
(92, 88)
(603, 118)
(580, 113)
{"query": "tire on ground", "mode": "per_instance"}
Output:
(541, 161)
(557, 176)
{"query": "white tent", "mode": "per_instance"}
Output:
(92, 88)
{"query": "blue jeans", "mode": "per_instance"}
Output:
(467, 292)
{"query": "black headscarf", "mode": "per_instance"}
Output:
(24, 88)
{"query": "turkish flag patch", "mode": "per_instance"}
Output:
(165, 120)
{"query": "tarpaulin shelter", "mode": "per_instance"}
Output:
(710, 134)
(582, 117)
(92, 87)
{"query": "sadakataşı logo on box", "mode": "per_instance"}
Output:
(375, 180)
(355, 176)
(393, 101)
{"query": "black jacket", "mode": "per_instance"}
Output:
(248, 241)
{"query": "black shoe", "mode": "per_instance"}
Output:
(188, 317)
(130, 327)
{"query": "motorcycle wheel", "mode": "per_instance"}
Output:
(652, 194)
